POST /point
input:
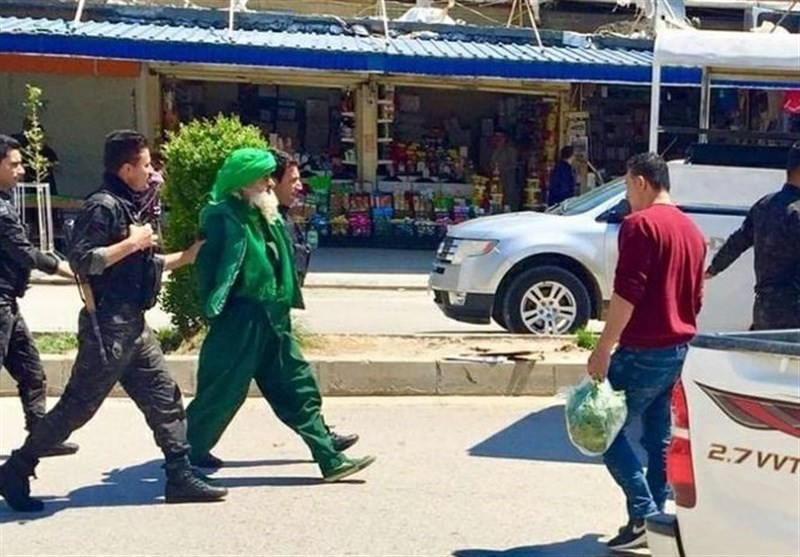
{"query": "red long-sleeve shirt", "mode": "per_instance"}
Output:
(660, 272)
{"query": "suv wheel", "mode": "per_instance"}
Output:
(546, 300)
(497, 315)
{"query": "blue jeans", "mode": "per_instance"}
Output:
(647, 377)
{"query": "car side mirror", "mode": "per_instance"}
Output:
(617, 213)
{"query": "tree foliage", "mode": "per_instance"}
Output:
(194, 153)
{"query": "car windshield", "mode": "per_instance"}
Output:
(591, 199)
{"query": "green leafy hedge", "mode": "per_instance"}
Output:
(193, 155)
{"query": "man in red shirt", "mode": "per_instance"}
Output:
(652, 316)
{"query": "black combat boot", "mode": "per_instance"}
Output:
(184, 485)
(341, 442)
(15, 486)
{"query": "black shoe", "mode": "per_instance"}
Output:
(15, 487)
(183, 486)
(632, 536)
(61, 449)
(208, 461)
(343, 442)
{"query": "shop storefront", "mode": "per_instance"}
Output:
(443, 156)
(398, 138)
(387, 164)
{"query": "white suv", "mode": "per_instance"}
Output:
(553, 272)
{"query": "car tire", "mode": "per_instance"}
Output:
(497, 314)
(546, 300)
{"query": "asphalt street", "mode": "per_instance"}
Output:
(469, 477)
(54, 308)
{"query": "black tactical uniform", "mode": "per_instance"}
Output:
(302, 252)
(116, 347)
(18, 351)
(772, 228)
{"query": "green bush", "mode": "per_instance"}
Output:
(193, 155)
(55, 343)
(586, 339)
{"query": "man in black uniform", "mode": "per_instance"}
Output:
(287, 176)
(18, 257)
(772, 228)
(113, 254)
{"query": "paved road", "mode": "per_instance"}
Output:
(474, 477)
(49, 308)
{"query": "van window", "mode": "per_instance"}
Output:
(589, 200)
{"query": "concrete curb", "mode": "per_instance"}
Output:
(337, 286)
(321, 285)
(375, 378)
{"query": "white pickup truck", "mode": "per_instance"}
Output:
(734, 459)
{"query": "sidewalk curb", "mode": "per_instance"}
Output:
(333, 286)
(374, 378)
(61, 281)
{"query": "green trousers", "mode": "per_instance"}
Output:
(243, 345)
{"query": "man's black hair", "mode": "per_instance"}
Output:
(283, 162)
(122, 147)
(567, 152)
(652, 168)
(8, 143)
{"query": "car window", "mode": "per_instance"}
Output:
(589, 200)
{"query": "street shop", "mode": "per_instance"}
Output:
(397, 137)
(388, 162)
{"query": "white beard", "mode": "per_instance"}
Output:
(267, 203)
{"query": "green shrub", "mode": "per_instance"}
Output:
(193, 155)
(55, 343)
(586, 339)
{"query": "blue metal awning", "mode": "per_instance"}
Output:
(334, 49)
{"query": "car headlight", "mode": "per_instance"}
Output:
(472, 248)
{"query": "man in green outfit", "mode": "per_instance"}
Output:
(248, 285)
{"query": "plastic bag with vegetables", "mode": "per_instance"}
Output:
(595, 415)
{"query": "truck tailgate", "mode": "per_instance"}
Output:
(743, 395)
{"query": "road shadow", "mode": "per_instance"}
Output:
(586, 546)
(139, 485)
(142, 484)
(255, 463)
(540, 436)
(276, 481)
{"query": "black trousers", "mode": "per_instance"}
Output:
(20, 357)
(776, 311)
(135, 360)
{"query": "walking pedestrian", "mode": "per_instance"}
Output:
(112, 252)
(652, 316)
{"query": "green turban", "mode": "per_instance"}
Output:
(242, 169)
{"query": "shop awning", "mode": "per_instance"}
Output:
(334, 49)
(752, 54)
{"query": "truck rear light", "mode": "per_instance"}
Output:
(680, 468)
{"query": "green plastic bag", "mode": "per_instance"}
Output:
(595, 415)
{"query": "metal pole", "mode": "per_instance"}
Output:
(533, 22)
(79, 11)
(655, 106)
(384, 18)
(511, 15)
(230, 16)
(705, 105)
